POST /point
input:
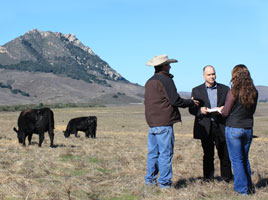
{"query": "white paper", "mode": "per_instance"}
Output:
(214, 110)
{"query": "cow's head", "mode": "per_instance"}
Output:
(66, 134)
(19, 135)
(91, 120)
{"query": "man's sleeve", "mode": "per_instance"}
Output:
(197, 109)
(175, 99)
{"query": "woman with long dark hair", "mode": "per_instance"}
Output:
(240, 105)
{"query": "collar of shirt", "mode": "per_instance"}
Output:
(213, 87)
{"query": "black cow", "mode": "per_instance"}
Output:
(36, 121)
(85, 124)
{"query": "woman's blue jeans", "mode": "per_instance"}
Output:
(238, 142)
(160, 155)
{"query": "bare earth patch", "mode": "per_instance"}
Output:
(112, 166)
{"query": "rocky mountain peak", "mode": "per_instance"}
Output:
(58, 53)
(72, 38)
(3, 50)
(52, 67)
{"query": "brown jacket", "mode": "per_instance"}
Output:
(161, 101)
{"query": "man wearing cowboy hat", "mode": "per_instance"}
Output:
(161, 102)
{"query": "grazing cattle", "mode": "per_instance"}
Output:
(85, 124)
(36, 121)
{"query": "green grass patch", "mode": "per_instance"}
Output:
(105, 171)
(71, 172)
(78, 173)
(75, 158)
(67, 158)
(125, 197)
(93, 160)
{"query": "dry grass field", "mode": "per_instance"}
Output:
(112, 166)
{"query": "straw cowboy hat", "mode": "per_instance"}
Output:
(160, 60)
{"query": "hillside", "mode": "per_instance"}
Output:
(263, 93)
(51, 67)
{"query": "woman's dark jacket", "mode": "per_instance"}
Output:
(238, 116)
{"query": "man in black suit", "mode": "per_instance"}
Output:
(210, 126)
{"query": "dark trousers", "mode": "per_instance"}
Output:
(216, 139)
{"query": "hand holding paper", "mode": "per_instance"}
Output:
(215, 110)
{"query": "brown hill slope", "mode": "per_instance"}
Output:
(49, 88)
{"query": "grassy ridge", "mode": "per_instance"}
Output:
(115, 99)
(41, 105)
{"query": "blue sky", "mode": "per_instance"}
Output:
(127, 33)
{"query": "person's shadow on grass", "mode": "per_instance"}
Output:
(183, 183)
(262, 183)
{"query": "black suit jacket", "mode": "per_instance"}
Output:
(202, 123)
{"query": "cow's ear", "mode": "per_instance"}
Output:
(15, 130)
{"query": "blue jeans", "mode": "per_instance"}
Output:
(238, 143)
(160, 155)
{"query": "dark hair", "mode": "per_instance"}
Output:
(158, 68)
(242, 85)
